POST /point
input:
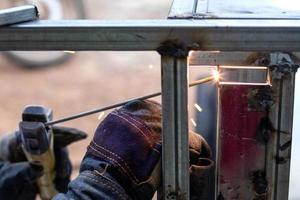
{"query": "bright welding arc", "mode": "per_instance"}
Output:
(216, 75)
(198, 107)
(101, 115)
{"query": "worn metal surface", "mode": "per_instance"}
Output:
(183, 9)
(215, 58)
(228, 9)
(251, 9)
(18, 15)
(223, 35)
(281, 115)
(240, 154)
(175, 128)
(256, 75)
(255, 128)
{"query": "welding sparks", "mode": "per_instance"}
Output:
(70, 52)
(216, 75)
(150, 66)
(198, 107)
(191, 53)
(193, 122)
(100, 116)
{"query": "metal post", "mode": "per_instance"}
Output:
(279, 150)
(175, 125)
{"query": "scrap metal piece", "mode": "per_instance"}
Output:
(18, 15)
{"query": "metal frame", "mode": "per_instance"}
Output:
(281, 113)
(18, 15)
(147, 35)
(175, 128)
(172, 39)
(212, 9)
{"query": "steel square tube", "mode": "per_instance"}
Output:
(175, 128)
(147, 35)
(18, 14)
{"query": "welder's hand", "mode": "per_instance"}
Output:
(11, 153)
(200, 165)
(11, 148)
(198, 148)
(128, 140)
(16, 180)
(63, 136)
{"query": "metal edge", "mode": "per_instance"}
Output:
(182, 9)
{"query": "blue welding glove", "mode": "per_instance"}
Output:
(19, 176)
(123, 159)
(128, 141)
(17, 180)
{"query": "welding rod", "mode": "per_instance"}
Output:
(83, 114)
(18, 14)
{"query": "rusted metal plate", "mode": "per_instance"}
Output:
(241, 153)
(255, 125)
(255, 133)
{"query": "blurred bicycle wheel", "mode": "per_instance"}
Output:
(52, 10)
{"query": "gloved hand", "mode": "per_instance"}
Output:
(17, 176)
(200, 165)
(17, 180)
(129, 141)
